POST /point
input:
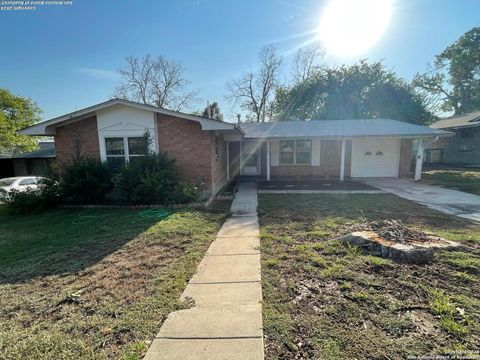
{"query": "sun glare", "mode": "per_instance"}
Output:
(351, 27)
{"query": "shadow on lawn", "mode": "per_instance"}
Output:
(64, 241)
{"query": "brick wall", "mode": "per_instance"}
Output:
(190, 146)
(405, 158)
(77, 139)
(330, 152)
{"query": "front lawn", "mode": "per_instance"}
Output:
(325, 299)
(94, 284)
(467, 180)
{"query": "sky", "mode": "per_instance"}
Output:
(66, 57)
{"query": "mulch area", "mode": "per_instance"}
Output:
(313, 185)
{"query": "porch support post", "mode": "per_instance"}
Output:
(342, 161)
(419, 160)
(241, 157)
(268, 161)
(228, 160)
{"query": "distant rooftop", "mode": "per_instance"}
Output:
(458, 121)
(46, 150)
(338, 128)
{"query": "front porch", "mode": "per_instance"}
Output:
(319, 161)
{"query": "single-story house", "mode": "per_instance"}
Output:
(35, 162)
(217, 151)
(461, 149)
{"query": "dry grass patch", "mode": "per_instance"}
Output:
(94, 283)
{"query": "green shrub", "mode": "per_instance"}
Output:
(85, 181)
(186, 192)
(46, 196)
(150, 179)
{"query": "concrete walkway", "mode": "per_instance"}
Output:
(452, 202)
(226, 321)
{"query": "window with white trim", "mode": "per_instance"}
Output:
(121, 149)
(295, 152)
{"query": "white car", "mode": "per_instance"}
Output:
(19, 183)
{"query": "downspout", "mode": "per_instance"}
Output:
(422, 145)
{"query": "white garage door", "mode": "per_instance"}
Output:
(375, 157)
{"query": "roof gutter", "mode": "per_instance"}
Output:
(337, 137)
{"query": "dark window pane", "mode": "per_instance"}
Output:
(286, 145)
(115, 162)
(135, 159)
(114, 146)
(137, 145)
(303, 145)
(303, 158)
(286, 158)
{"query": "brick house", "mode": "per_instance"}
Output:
(216, 151)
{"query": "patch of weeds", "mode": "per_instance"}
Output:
(465, 277)
(346, 286)
(376, 261)
(134, 351)
(441, 305)
(319, 246)
(278, 323)
(359, 295)
(271, 262)
(333, 270)
(462, 260)
(453, 327)
(331, 349)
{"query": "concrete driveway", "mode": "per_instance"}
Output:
(449, 201)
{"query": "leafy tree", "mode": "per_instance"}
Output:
(254, 90)
(155, 81)
(212, 111)
(359, 91)
(16, 113)
(453, 82)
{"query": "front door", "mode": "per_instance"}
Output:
(250, 158)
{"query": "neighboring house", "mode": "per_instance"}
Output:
(35, 162)
(217, 151)
(461, 149)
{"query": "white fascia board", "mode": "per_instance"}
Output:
(47, 127)
(338, 137)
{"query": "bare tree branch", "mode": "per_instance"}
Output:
(306, 62)
(254, 89)
(155, 81)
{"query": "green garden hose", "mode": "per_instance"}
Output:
(159, 214)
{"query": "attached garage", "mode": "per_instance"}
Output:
(375, 157)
